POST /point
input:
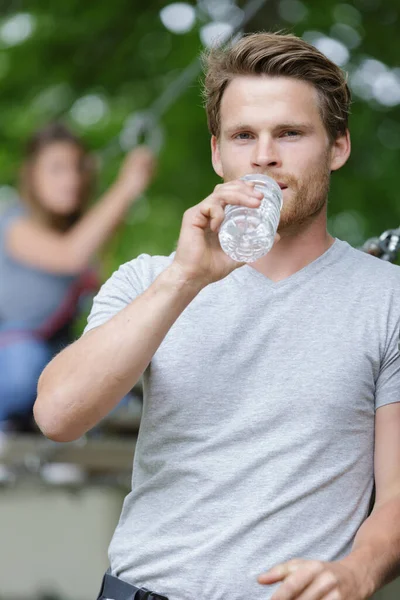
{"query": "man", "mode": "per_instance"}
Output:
(267, 386)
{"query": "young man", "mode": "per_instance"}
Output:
(271, 389)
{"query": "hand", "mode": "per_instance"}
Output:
(199, 255)
(316, 580)
(136, 172)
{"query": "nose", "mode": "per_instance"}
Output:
(266, 154)
(71, 181)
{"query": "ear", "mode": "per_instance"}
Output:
(216, 157)
(340, 151)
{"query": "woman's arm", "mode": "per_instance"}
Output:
(71, 252)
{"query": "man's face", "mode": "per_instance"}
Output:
(273, 125)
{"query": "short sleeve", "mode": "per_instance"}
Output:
(126, 284)
(7, 217)
(387, 389)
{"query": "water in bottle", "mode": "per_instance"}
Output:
(247, 234)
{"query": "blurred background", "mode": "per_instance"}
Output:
(122, 73)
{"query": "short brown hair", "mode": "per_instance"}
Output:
(277, 54)
(49, 134)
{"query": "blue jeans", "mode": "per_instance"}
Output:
(22, 359)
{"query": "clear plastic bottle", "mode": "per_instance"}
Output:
(247, 234)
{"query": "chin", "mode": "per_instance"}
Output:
(67, 209)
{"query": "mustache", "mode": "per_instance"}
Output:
(288, 180)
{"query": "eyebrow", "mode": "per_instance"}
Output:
(288, 125)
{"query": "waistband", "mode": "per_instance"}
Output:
(113, 588)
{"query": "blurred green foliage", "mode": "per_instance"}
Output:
(121, 53)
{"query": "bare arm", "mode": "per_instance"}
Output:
(376, 546)
(374, 558)
(71, 252)
(86, 380)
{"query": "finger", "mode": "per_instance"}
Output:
(298, 583)
(142, 149)
(248, 186)
(325, 583)
(238, 186)
(217, 215)
(243, 182)
(294, 585)
(209, 215)
(334, 595)
(281, 571)
(203, 212)
(236, 198)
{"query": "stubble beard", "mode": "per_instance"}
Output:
(307, 200)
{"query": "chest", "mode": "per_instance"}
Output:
(269, 362)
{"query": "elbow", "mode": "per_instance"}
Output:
(73, 260)
(75, 265)
(53, 425)
(58, 410)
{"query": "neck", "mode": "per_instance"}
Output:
(52, 221)
(296, 249)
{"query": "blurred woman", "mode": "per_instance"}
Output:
(47, 245)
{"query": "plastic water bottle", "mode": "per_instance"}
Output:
(247, 234)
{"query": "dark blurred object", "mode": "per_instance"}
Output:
(385, 247)
(103, 457)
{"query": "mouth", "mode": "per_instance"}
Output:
(282, 185)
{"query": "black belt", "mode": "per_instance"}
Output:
(116, 589)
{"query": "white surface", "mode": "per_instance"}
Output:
(55, 541)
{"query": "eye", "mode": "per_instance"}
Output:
(291, 133)
(242, 136)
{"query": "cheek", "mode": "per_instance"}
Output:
(236, 157)
(305, 161)
(48, 189)
(49, 182)
(40, 182)
(298, 154)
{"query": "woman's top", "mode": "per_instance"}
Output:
(34, 300)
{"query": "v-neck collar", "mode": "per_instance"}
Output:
(324, 260)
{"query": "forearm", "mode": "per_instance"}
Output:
(88, 379)
(93, 230)
(376, 548)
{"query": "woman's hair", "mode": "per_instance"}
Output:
(41, 139)
(277, 55)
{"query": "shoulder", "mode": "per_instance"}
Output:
(129, 281)
(11, 213)
(368, 268)
(12, 223)
(373, 282)
(140, 272)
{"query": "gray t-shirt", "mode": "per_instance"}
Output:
(257, 435)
